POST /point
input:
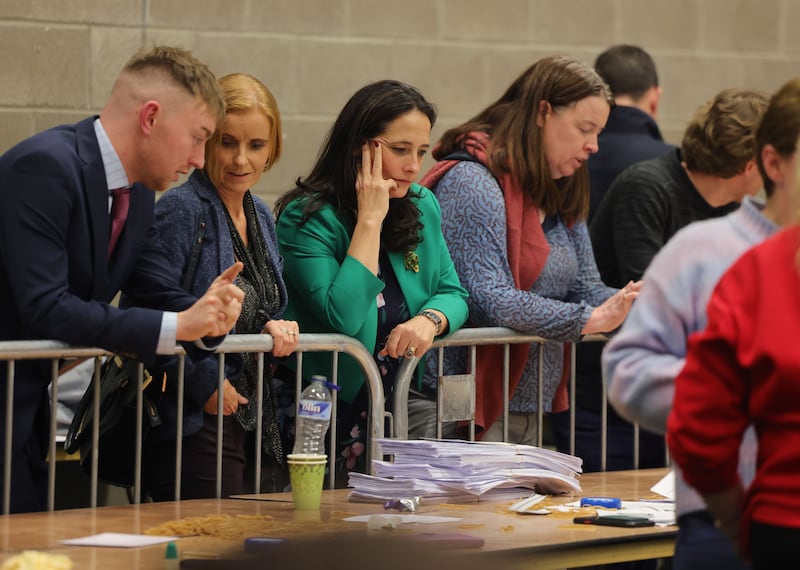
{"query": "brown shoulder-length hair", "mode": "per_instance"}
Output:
(517, 145)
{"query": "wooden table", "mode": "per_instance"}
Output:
(511, 540)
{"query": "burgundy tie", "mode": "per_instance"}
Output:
(119, 213)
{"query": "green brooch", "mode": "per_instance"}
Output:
(411, 261)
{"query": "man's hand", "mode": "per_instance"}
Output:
(216, 312)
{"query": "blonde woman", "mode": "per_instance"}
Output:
(208, 222)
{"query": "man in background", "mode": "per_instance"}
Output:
(631, 134)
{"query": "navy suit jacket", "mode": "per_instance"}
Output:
(56, 279)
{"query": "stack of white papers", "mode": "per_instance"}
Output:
(459, 470)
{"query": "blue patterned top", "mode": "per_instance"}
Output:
(558, 305)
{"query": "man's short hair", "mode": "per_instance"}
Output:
(628, 70)
(184, 70)
(721, 138)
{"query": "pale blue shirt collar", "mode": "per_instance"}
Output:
(116, 178)
(115, 173)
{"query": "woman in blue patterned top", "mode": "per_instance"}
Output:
(514, 192)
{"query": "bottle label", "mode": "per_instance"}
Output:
(315, 409)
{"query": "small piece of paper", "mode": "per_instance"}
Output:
(119, 540)
(666, 487)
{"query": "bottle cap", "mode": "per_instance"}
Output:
(172, 551)
(324, 380)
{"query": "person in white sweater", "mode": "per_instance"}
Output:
(641, 362)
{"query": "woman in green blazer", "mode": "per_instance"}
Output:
(363, 250)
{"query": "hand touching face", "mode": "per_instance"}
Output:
(405, 142)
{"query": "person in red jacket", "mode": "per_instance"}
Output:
(742, 370)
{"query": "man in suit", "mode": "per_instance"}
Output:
(61, 263)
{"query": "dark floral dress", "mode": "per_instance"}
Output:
(353, 419)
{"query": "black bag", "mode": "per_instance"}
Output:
(117, 433)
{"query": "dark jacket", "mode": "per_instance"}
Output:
(56, 279)
(630, 136)
(183, 214)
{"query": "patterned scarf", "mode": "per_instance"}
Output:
(262, 299)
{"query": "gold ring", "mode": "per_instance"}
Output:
(291, 333)
(411, 351)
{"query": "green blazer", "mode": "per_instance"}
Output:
(330, 292)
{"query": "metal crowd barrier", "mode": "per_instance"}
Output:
(11, 351)
(451, 402)
(457, 404)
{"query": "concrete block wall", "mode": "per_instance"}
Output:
(59, 58)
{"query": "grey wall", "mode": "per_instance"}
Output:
(58, 58)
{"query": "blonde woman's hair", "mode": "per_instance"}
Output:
(244, 92)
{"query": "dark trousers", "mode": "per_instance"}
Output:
(774, 546)
(28, 477)
(31, 436)
(199, 467)
(619, 443)
(702, 546)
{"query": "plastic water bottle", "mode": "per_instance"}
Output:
(313, 417)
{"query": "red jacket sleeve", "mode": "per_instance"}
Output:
(709, 413)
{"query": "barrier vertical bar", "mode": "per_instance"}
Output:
(506, 386)
(94, 485)
(137, 465)
(540, 395)
(259, 416)
(603, 427)
(572, 388)
(333, 424)
(51, 449)
(179, 429)
(9, 437)
(220, 430)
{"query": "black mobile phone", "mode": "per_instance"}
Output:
(627, 521)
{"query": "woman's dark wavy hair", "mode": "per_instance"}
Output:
(332, 180)
(517, 145)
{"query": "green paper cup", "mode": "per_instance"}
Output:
(306, 474)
